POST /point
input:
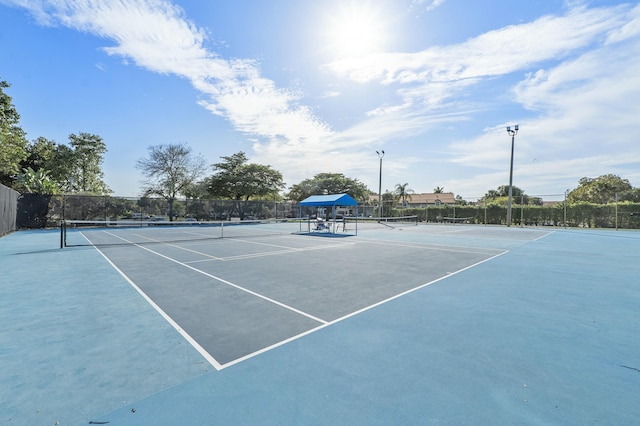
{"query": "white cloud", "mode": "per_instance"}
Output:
(331, 94)
(585, 111)
(494, 53)
(426, 81)
(583, 102)
(429, 5)
(156, 35)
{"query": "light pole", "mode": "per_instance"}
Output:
(565, 208)
(513, 134)
(380, 155)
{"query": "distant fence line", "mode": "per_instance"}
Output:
(8, 209)
(42, 211)
(582, 215)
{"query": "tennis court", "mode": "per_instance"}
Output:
(448, 324)
(236, 296)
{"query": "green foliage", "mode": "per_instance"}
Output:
(388, 205)
(196, 190)
(57, 160)
(40, 154)
(402, 192)
(515, 191)
(36, 182)
(581, 215)
(12, 138)
(237, 179)
(500, 197)
(459, 201)
(602, 190)
(502, 191)
(87, 174)
(329, 183)
(73, 169)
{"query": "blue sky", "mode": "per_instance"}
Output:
(320, 86)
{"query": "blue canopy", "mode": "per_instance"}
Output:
(329, 200)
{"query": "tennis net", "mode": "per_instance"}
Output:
(128, 232)
(389, 222)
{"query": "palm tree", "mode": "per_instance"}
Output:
(438, 190)
(402, 192)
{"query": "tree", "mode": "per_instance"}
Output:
(500, 196)
(438, 190)
(196, 190)
(39, 154)
(602, 190)
(87, 174)
(170, 170)
(237, 179)
(503, 191)
(534, 201)
(459, 201)
(402, 192)
(36, 182)
(633, 195)
(329, 183)
(57, 160)
(388, 200)
(12, 138)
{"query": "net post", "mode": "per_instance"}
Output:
(62, 234)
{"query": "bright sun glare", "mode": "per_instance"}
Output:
(356, 30)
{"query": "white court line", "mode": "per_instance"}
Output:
(286, 249)
(270, 253)
(471, 228)
(179, 247)
(323, 323)
(259, 243)
(456, 230)
(291, 250)
(545, 235)
(337, 320)
(174, 324)
(427, 246)
(253, 293)
(189, 339)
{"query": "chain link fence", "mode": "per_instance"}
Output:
(579, 215)
(46, 211)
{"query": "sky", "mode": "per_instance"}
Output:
(313, 87)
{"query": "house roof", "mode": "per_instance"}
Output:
(329, 200)
(430, 198)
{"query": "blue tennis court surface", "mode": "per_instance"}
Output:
(435, 324)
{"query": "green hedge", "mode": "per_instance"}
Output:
(585, 215)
